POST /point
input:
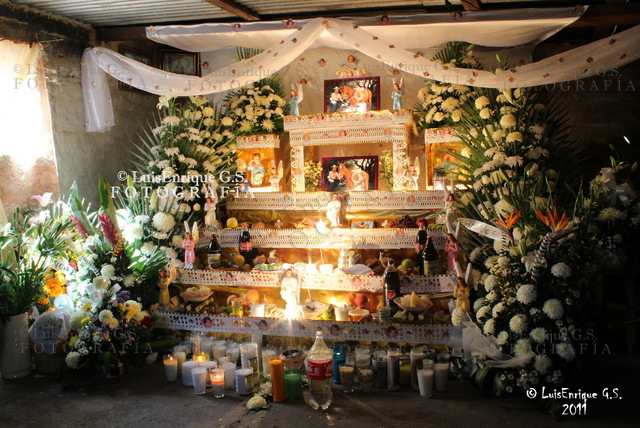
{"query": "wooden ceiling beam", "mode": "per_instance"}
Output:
(236, 9)
(609, 14)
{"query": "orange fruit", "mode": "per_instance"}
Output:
(253, 296)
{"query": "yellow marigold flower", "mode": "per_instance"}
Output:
(86, 320)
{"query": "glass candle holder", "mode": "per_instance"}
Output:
(216, 377)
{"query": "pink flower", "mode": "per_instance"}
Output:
(43, 200)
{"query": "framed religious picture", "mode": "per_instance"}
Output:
(350, 173)
(180, 62)
(352, 94)
(136, 55)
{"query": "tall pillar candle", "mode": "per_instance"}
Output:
(425, 382)
(170, 367)
(187, 370)
(199, 375)
(441, 376)
(229, 375)
(276, 368)
(249, 358)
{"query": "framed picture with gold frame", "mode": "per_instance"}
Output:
(180, 62)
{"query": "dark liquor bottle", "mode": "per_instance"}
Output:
(430, 257)
(391, 286)
(421, 241)
(214, 253)
(246, 246)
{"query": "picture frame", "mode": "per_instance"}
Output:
(180, 62)
(351, 173)
(138, 55)
(356, 94)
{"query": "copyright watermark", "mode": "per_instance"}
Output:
(578, 400)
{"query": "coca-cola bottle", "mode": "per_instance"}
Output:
(391, 285)
(421, 241)
(246, 246)
(430, 256)
(320, 374)
(214, 253)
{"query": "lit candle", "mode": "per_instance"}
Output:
(425, 382)
(170, 368)
(233, 352)
(180, 354)
(187, 370)
(219, 350)
(199, 375)
(201, 357)
(441, 376)
(276, 369)
(195, 344)
(216, 377)
(342, 313)
(209, 365)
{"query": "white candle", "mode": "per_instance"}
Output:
(195, 344)
(342, 313)
(206, 344)
(199, 376)
(229, 375)
(233, 353)
(219, 350)
(187, 370)
(170, 368)
(441, 376)
(425, 382)
(209, 365)
(217, 381)
(266, 354)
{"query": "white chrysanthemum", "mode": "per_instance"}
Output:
(491, 260)
(527, 294)
(514, 137)
(256, 402)
(177, 241)
(483, 312)
(147, 248)
(171, 120)
(171, 253)
(482, 102)
(456, 116)
(456, 316)
(514, 161)
(501, 99)
(245, 126)
(492, 296)
(109, 271)
(73, 359)
(538, 334)
(485, 113)
(561, 270)
(227, 121)
(497, 309)
(565, 351)
(490, 282)
(504, 208)
(502, 337)
(518, 323)
(159, 235)
(163, 222)
(137, 307)
(113, 323)
(142, 219)
(168, 172)
(508, 121)
(553, 309)
(129, 280)
(207, 112)
(489, 326)
(450, 104)
(268, 125)
(133, 232)
(523, 347)
(478, 304)
(105, 316)
(503, 262)
(542, 364)
(499, 135)
(439, 116)
(76, 320)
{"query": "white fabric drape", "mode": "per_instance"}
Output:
(493, 29)
(579, 63)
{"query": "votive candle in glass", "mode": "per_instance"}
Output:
(209, 365)
(293, 384)
(216, 377)
(187, 370)
(441, 376)
(199, 375)
(170, 367)
(425, 382)
(229, 375)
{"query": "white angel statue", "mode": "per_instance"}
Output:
(166, 278)
(210, 206)
(412, 175)
(276, 175)
(191, 237)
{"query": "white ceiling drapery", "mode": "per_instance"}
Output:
(583, 62)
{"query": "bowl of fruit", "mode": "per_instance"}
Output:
(196, 294)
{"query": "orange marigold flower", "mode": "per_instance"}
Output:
(43, 301)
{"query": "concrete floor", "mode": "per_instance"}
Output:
(145, 399)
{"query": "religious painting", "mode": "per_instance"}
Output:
(356, 94)
(180, 62)
(355, 173)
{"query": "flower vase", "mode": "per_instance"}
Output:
(15, 354)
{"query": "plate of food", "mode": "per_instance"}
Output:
(196, 294)
(413, 303)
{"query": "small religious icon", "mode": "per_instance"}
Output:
(296, 97)
(191, 238)
(396, 94)
(412, 175)
(165, 280)
(276, 175)
(334, 210)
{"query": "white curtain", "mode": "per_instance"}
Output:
(579, 63)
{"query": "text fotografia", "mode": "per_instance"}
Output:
(574, 409)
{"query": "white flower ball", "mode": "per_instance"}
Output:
(456, 316)
(113, 323)
(523, 347)
(565, 351)
(132, 232)
(518, 324)
(108, 271)
(105, 316)
(490, 282)
(489, 326)
(514, 137)
(76, 320)
(538, 334)
(163, 222)
(503, 337)
(561, 270)
(147, 248)
(527, 294)
(553, 309)
(482, 102)
(508, 121)
(129, 280)
(485, 113)
(478, 304)
(135, 305)
(483, 312)
(497, 309)
(73, 359)
(177, 241)
(491, 296)
(542, 364)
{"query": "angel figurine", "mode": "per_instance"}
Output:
(296, 97)
(191, 238)
(461, 293)
(210, 206)
(276, 175)
(166, 278)
(334, 208)
(450, 215)
(290, 293)
(412, 175)
(396, 94)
